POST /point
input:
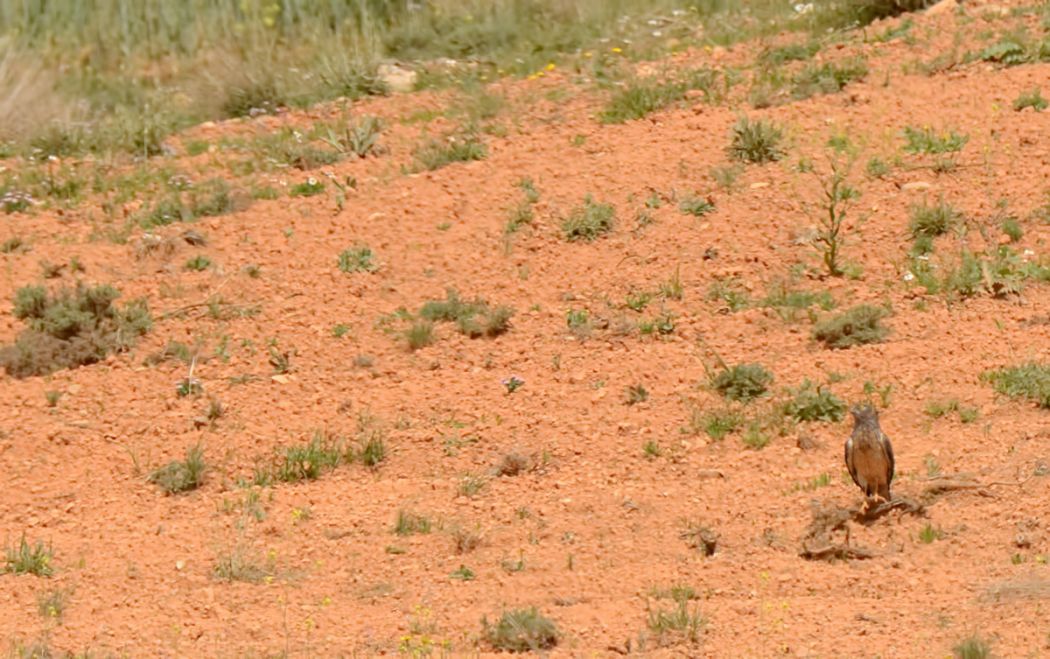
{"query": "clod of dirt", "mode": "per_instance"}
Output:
(702, 538)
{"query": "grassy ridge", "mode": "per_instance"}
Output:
(120, 75)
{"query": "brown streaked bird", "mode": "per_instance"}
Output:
(869, 454)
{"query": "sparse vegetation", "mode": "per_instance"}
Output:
(682, 622)
(521, 630)
(973, 647)
(409, 523)
(181, 475)
(835, 203)
(645, 96)
(696, 205)
(357, 259)
(589, 221)
(927, 222)
(756, 141)
(856, 326)
(811, 402)
(1030, 380)
(473, 318)
(70, 328)
(741, 382)
(716, 423)
(459, 147)
(926, 141)
(24, 558)
(1030, 99)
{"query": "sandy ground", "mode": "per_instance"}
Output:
(595, 526)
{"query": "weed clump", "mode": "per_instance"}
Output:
(927, 222)
(357, 259)
(815, 403)
(589, 221)
(473, 318)
(29, 559)
(456, 148)
(742, 382)
(973, 647)
(70, 328)
(856, 326)
(1030, 380)
(756, 141)
(181, 475)
(521, 630)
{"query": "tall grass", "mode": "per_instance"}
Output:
(124, 74)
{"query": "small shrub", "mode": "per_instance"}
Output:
(756, 141)
(589, 221)
(13, 245)
(1033, 99)
(814, 403)
(409, 523)
(181, 475)
(29, 559)
(464, 147)
(357, 259)
(856, 326)
(973, 647)
(521, 630)
(741, 382)
(73, 327)
(1030, 380)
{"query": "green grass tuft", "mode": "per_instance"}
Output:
(756, 141)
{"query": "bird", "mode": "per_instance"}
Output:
(869, 454)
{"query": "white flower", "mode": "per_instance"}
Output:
(909, 276)
(801, 8)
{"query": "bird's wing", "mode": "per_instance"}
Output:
(888, 447)
(849, 462)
